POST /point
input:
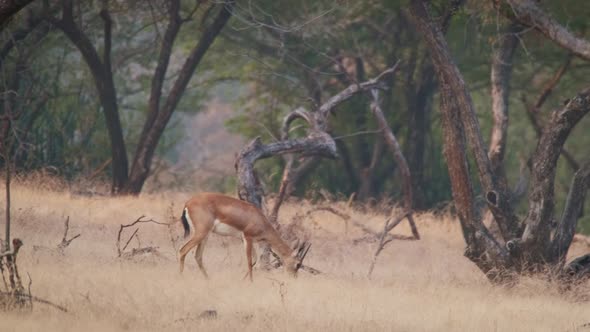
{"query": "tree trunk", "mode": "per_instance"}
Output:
(103, 80)
(127, 181)
(159, 116)
(533, 249)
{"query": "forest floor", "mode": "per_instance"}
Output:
(424, 285)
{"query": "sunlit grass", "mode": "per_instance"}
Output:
(424, 285)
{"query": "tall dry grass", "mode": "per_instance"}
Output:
(424, 285)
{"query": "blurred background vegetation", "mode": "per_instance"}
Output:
(271, 57)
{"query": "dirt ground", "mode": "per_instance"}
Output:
(424, 285)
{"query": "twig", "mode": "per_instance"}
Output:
(64, 241)
(29, 289)
(137, 221)
(387, 227)
(130, 238)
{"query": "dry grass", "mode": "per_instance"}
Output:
(425, 285)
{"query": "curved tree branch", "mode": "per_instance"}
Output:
(527, 12)
(396, 151)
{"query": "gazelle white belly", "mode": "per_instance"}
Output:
(222, 229)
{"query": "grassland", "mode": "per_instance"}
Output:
(424, 285)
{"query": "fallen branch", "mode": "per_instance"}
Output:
(382, 237)
(64, 241)
(29, 297)
(136, 251)
(387, 227)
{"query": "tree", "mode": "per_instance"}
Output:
(531, 244)
(297, 61)
(130, 180)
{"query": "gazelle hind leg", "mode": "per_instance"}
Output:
(248, 244)
(199, 256)
(193, 242)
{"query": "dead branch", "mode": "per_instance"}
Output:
(387, 227)
(135, 251)
(396, 151)
(29, 297)
(64, 241)
(382, 237)
(317, 142)
(527, 12)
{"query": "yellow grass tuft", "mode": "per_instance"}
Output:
(424, 285)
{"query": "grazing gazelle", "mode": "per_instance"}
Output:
(225, 215)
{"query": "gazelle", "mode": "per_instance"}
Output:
(225, 215)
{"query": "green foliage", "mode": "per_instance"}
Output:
(275, 56)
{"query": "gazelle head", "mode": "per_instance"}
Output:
(295, 262)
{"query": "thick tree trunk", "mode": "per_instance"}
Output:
(125, 181)
(103, 80)
(532, 249)
(537, 232)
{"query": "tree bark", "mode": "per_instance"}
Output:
(497, 195)
(541, 198)
(566, 228)
(500, 81)
(529, 250)
(458, 118)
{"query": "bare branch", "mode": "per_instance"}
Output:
(529, 14)
(137, 221)
(375, 83)
(64, 241)
(396, 151)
